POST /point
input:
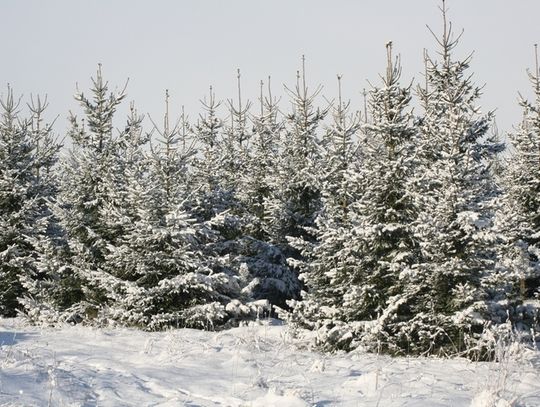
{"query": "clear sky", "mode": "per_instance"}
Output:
(185, 46)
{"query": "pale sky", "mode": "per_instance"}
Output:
(185, 46)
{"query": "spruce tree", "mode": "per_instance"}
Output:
(365, 242)
(322, 254)
(295, 198)
(28, 152)
(381, 217)
(207, 165)
(72, 263)
(445, 303)
(518, 279)
(261, 164)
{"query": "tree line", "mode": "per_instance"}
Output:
(385, 230)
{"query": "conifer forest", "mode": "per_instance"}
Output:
(405, 226)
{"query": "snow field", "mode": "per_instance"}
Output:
(256, 365)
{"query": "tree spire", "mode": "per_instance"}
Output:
(166, 117)
(389, 67)
(340, 108)
(238, 76)
(536, 70)
(304, 88)
(261, 96)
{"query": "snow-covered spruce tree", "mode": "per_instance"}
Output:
(207, 167)
(382, 214)
(444, 305)
(28, 152)
(261, 166)
(49, 242)
(519, 215)
(295, 190)
(322, 252)
(235, 143)
(340, 154)
(213, 199)
(120, 212)
(73, 280)
(365, 241)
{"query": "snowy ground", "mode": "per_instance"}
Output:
(257, 365)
